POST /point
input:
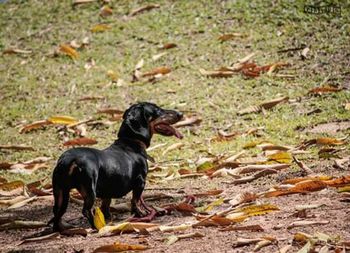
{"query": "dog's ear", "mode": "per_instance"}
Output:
(135, 125)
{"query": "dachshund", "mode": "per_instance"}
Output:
(115, 171)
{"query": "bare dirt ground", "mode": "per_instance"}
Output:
(275, 224)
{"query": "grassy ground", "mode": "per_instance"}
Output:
(38, 85)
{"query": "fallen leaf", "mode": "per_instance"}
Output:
(324, 89)
(253, 177)
(307, 248)
(304, 53)
(172, 147)
(22, 203)
(244, 197)
(229, 36)
(158, 56)
(68, 50)
(106, 11)
(87, 98)
(20, 224)
(176, 228)
(35, 125)
(99, 219)
(303, 166)
(16, 147)
(11, 185)
(271, 103)
(75, 231)
(157, 71)
(208, 193)
(217, 73)
(100, 28)
(120, 247)
(126, 227)
(82, 141)
(301, 187)
(143, 8)
(252, 228)
(168, 46)
(261, 244)
(112, 75)
(240, 242)
(189, 121)
(63, 120)
(174, 238)
(306, 223)
(210, 206)
(337, 182)
(281, 157)
(48, 237)
(77, 2)
(16, 51)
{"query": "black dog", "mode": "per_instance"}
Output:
(116, 170)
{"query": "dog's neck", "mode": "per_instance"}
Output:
(141, 144)
(138, 143)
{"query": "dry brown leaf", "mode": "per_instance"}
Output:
(305, 223)
(22, 203)
(77, 2)
(157, 71)
(16, 51)
(189, 121)
(19, 224)
(208, 193)
(48, 237)
(342, 181)
(274, 102)
(68, 50)
(301, 179)
(75, 231)
(16, 147)
(106, 11)
(244, 197)
(174, 238)
(252, 228)
(35, 125)
(176, 228)
(301, 187)
(324, 89)
(88, 98)
(143, 8)
(82, 141)
(172, 147)
(120, 247)
(347, 106)
(303, 166)
(100, 28)
(10, 186)
(230, 36)
(261, 244)
(217, 73)
(240, 242)
(254, 176)
(168, 46)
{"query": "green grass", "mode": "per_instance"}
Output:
(39, 85)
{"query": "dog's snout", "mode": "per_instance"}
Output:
(179, 115)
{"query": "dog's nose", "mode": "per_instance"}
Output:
(180, 115)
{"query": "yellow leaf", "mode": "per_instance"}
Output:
(100, 28)
(120, 247)
(11, 185)
(329, 141)
(68, 50)
(281, 157)
(99, 219)
(112, 75)
(64, 120)
(126, 227)
(344, 189)
(106, 11)
(157, 71)
(254, 210)
(210, 206)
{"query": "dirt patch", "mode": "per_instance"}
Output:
(274, 224)
(330, 128)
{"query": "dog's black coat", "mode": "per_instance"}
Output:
(114, 171)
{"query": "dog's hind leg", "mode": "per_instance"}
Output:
(105, 208)
(61, 198)
(88, 192)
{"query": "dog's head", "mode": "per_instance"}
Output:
(142, 120)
